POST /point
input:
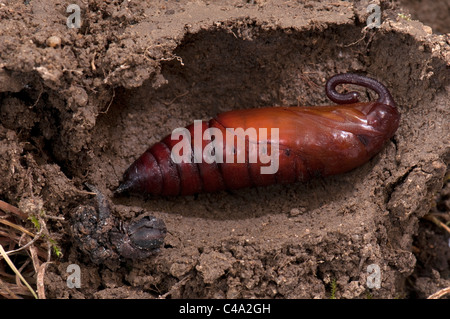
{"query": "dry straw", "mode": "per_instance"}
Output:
(18, 275)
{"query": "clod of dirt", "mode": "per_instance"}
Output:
(105, 240)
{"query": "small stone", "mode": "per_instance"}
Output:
(53, 41)
(427, 29)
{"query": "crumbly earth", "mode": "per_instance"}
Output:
(81, 111)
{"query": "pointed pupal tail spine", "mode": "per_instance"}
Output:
(304, 141)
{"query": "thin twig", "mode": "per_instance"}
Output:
(175, 286)
(35, 259)
(85, 192)
(40, 279)
(445, 216)
(440, 293)
(11, 252)
(60, 218)
(39, 96)
(110, 103)
(364, 32)
(175, 98)
(93, 62)
(4, 286)
(40, 270)
(15, 226)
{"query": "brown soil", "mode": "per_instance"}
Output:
(84, 110)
